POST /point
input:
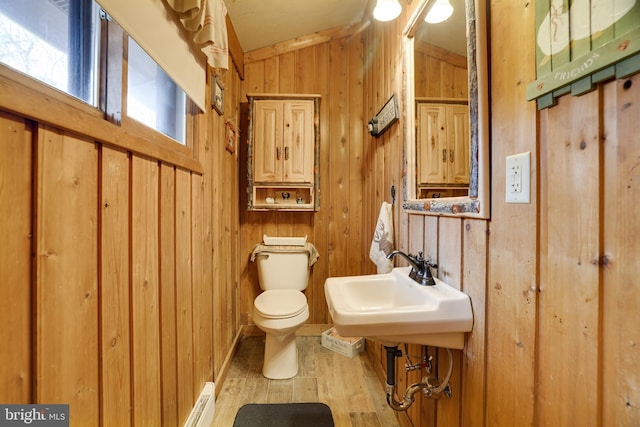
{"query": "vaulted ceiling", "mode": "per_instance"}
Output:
(260, 23)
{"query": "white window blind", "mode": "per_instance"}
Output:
(152, 26)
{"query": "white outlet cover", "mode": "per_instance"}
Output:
(518, 178)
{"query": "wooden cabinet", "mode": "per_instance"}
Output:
(283, 142)
(442, 143)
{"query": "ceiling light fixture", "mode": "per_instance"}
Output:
(439, 12)
(387, 10)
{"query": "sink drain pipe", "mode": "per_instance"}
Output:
(431, 386)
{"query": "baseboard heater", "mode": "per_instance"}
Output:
(202, 412)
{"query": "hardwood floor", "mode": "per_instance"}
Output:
(348, 386)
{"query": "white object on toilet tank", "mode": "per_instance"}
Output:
(287, 241)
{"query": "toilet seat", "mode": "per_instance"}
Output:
(280, 303)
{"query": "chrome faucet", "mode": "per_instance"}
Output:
(420, 267)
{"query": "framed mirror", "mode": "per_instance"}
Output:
(447, 118)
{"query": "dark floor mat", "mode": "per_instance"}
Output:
(284, 415)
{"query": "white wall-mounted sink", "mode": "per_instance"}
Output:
(392, 309)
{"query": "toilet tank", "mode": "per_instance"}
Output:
(283, 270)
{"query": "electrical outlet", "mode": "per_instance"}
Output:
(514, 173)
(518, 178)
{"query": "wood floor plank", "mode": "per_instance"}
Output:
(331, 388)
(255, 361)
(306, 357)
(228, 402)
(280, 391)
(305, 390)
(357, 395)
(386, 415)
(256, 391)
(242, 361)
(349, 386)
(364, 419)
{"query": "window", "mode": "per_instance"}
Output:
(53, 41)
(58, 42)
(152, 97)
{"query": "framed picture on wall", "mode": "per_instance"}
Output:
(582, 43)
(217, 95)
(232, 137)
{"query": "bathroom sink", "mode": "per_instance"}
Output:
(392, 309)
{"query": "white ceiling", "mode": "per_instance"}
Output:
(450, 34)
(260, 23)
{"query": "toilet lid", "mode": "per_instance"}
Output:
(280, 303)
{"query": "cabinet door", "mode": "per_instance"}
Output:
(267, 137)
(298, 142)
(458, 144)
(432, 144)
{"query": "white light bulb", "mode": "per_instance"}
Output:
(440, 11)
(387, 10)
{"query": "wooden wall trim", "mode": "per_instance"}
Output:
(16, 211)
(302, 42)
(67, 359)
(235, 49)
(29, 98)
(114, 297)
(620, 251)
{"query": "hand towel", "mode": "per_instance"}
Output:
(308, 248)
(382, 242)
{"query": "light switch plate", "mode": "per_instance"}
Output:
(518, 178)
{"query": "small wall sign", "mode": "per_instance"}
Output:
(217, 95)
(231, 137)
(385, 117)
(582, 42)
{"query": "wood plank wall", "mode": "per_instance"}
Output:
(552, 282)
(332, 69)
(118, 275)
(439, 73)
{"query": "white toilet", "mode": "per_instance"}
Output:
(283, 272)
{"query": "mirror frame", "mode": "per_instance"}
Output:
(477, 203)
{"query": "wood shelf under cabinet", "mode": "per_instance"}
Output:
(431, 192)
(280, 200)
